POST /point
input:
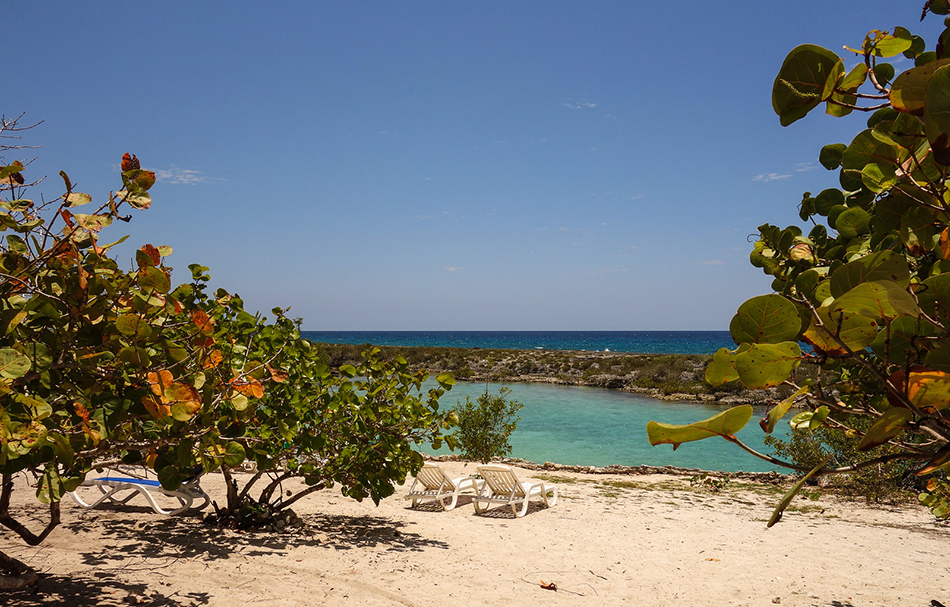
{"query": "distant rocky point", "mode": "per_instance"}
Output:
(673, 377)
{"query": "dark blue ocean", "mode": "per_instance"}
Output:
(640, 342)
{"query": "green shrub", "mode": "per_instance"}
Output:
(484, 426)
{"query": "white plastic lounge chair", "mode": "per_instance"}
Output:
(112, 486)
(433, 483)
(503, 487)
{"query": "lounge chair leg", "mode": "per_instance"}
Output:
(524, 508)
(549, 501)
(454, 497)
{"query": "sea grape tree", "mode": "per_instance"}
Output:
(101, 366)
(868, 286)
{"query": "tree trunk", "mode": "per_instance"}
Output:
(14, 574)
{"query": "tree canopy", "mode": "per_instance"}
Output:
(867, 288)
(102, 366)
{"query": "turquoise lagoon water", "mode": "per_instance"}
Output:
(599, 427)
(589, 426)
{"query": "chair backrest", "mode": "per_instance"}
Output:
(432, 477)
(501, 480)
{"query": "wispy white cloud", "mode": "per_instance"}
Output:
(637, 196)
(583, 104)
(424, 216)
(179, 176)
(801, 167)
(712, 262)
(766, 177)
(453, 268)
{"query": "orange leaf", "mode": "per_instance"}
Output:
(204, 342)
(126, 162)
(156, 407)
(277, 375)
(944, 243)
(159, 381)
(82, 412)
(214, 359)
(153, 255)
(249, 387)
(204, 322)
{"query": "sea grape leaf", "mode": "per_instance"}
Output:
(788, 497)
(929, 390)
(75, 199)
(893, 44)
(766, 319)
(778, 411)
(852, 223)
(865, 148)
(940, 459)
(724, 424)
(844, 92)
(891, 423)
(882, 265)
(810, 420)
(830, 155)
(807, 77)
(909, 90)
(767, 365)
(878, 299)
(937, 115)
(897, 341)
(722, 368)
(855, 331)
(13, 364)
(917, 230)
(133, 325)
(878, 177)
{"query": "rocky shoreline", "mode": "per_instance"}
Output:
(670, 377)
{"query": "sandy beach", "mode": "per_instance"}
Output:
(611, 539)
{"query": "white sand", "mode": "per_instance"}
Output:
(653, 540)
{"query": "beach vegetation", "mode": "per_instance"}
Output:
(485, 425)
(102, 366)
(865, 283)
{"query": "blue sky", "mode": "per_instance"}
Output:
(443, 165)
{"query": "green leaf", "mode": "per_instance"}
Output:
(13, 364)
(154, 279)
(893, 44)
(766, 319)
(75, 199)
(133, 325)
(849, 84)
(937, 115)
(348, 370)
(778, 411)
(788, 497)
(897, 340)
(909, 90)
(722, 369)
(854, 330)
(807, 77)
(724, 424)
(880, 299)
(234, 454)
(891, 423)
(852, 223)
(445, 380)
(866, 148)
(917, 230)
(767, 365)
(882, 265)
(830, 156)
